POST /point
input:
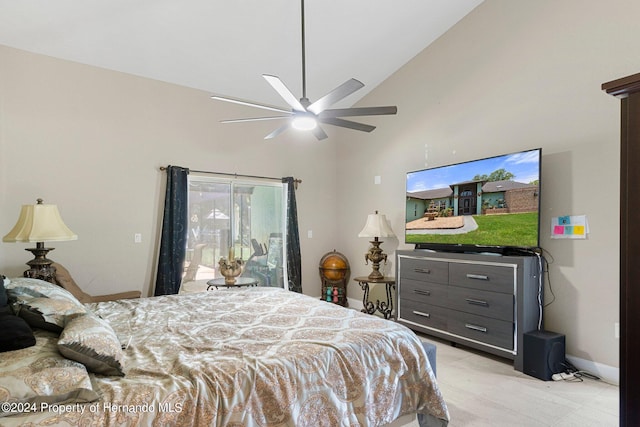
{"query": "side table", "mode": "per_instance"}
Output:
(240, 281)
(384, 307)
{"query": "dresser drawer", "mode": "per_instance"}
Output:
(493, 278)
(424, 314)
(424, 269)
(424, 292)
(484, 303)
(483, 329)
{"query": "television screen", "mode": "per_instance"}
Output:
(476, 205)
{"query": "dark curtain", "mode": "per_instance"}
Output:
(173, 243)
(294, 263)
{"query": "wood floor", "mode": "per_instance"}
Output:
(483, 390)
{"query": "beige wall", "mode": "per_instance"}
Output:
(92, 141)
(514, 75)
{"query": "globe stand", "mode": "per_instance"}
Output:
(334, 274)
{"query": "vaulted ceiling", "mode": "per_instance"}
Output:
(224, 46)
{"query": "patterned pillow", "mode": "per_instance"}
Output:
(39, 375)
(43, 304)
(92, 342)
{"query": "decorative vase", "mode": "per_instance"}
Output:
(231, 269)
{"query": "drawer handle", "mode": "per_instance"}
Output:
(477, 276)
(475, 327)
(477, 302)
(419, 292)
(422, 270)
(419, 313)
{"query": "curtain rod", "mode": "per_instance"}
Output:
(236, 175)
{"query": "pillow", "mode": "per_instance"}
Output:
(43, 304)
(15, 333)
(92, 342)
(39, 374)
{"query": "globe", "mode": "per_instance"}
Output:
(334, 266)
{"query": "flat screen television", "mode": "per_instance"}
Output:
(483, 205)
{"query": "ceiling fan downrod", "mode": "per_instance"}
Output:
(304, 62)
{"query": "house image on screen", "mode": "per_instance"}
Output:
(473, 198)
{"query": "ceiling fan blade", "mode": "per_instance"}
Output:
(254, 119)
(250, 104)
(284, 92)
(277, 132)
(347, 124)
(362, 111)
(341, 92)
(319, 133)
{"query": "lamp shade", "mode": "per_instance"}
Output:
(376, 226)
(40, 223)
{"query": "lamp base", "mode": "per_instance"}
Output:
(375, 255)
(40, 265)
(375, 274)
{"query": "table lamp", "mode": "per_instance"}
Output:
(40, 223)
(376, 226)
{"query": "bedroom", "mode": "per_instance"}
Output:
(509, 76)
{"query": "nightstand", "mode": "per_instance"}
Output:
(384, 307)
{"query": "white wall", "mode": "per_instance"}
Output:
(513, 75)
(92, 141)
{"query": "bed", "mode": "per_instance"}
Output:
(234, 357)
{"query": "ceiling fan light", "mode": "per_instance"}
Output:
(304, 122)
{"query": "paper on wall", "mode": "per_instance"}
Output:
(569, 227)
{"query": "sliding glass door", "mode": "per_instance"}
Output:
(246, 216)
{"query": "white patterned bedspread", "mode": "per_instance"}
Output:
(257, 357)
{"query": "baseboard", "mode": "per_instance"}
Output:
(354, 303)
(607, 373)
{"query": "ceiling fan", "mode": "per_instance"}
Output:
(305, 115)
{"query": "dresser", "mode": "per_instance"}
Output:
(483, 301)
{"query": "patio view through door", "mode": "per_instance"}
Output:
(248, 216)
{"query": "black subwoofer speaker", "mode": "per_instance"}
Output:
(544, 354)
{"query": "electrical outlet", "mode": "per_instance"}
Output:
(137, 238)
(310, 234)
